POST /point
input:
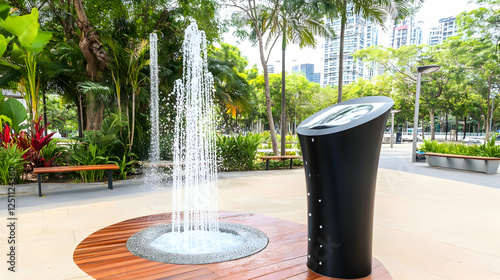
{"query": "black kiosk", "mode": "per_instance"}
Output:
(341, 147)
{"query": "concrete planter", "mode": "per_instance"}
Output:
(486, 165)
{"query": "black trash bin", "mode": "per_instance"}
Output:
(341, 148)
(399, 136)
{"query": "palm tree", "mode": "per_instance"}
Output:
(379, 11)
(298, 25)
(260, 18)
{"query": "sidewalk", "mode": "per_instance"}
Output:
(429, 223)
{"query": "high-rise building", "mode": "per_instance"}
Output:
(308, 69)
(447, 27)
(355, 39)
(407, 31)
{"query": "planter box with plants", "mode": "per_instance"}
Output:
(479, 158)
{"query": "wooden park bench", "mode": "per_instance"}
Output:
(58, 169)
(291, 158)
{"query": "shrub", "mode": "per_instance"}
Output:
(89, 154)
(238, 152)
(488, 149)
(10, 156)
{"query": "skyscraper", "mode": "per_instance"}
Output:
(308, 69)
(355, 39)
(407, 31)
(447, 28)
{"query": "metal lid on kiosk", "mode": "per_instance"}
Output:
(345, 115)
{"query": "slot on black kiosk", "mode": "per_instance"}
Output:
(341, 148)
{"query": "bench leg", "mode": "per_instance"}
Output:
(267, 164)
(110, 179)
(39, 185)
(291, 162)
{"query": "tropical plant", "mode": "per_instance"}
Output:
(298, 23)
(125, 164)
(255, 22)
(238, 152)
(137, 61)
(89, 154)
(15, 112)
(24, 57)
(10, 157)
(55, 153)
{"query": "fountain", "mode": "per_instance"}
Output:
(195, 235)
(153, 176)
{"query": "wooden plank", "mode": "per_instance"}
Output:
(280, 157)
(56, 169)
(103, 254)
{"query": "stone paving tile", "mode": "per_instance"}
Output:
(425, 227)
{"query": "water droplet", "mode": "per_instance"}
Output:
(308, 194)
(309, 175)
(309, 239)
(309, 256)
(321, 245)
(320, 263)
(312, 139)
(310, 214)
(320, 226)
(319, 200)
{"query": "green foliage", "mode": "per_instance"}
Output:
(89, 154)
(126, 164)
(238, 152)
(488, 149)
(10, 157)
(55, 153)
(15, 111)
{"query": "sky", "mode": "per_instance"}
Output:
(431, 12)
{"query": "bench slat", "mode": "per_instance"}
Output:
(57, 169)
(460, 156)
(280, 157)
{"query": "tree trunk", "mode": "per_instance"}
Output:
(133, 123)
(446, 128)
(267, 92)
(456, 130)
(283, 115)
(95, 114)
(96, 57)
(431, 113)
(80, 116)
(487, 118)
(45, 123)
(465, 126)
(341, 58)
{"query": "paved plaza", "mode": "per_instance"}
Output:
(430, 223)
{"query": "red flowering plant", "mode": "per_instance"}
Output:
(38, 141)
(6, 136)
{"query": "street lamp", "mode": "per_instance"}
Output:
(420, 70)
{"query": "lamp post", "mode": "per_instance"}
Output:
(420, 70)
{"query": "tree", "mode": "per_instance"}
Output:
(481, 26)
(376, 10)
(298, 24)
(26, 48)
(255, 22)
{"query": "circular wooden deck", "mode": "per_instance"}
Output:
(103, 254)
